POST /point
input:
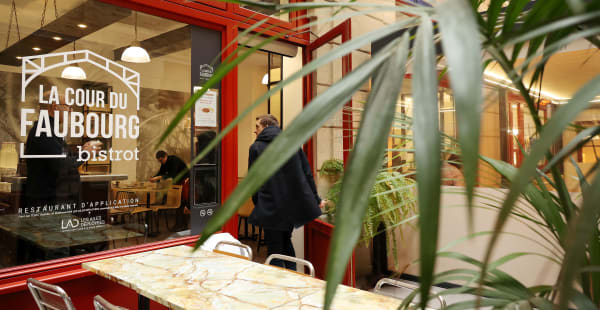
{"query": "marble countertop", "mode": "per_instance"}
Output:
(178, 278)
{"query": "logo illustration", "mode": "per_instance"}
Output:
(92, 125)
(206, 71)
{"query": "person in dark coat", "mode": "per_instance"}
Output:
(52, 180)
(288, 199)
(170, 167)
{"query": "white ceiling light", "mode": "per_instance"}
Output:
(135, 53)
(265, 79)
(73, 72)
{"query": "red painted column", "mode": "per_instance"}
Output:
(229, 145)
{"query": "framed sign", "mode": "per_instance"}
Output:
(206, 108)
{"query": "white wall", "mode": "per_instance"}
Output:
(531, 270)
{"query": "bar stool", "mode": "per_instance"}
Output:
(102, 304)
(402, 284)
(48, 296)
(242, 246)
(303, 262)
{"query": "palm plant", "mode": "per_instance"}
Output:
(470, 41)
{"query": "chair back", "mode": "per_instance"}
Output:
(405, 285)
(245, 248)
(48, 296)
(124, 199)
(246, 209)
(174, 197)
(102, 304)
(300, 261)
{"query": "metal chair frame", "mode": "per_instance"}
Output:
(102, 304)
(309, 265)
(406, 285)
(36, 286)
(239, 245)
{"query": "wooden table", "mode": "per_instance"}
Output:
(178, 278)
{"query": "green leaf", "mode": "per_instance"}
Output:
(462, 47)
(581, 230)
(582, 181)
(363, 164)
(291, 139)
(514, 9)
(492, 15)
(427, 151)
(578, 6)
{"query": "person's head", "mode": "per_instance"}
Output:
(59, 107)
(161, 156)
(265, 121)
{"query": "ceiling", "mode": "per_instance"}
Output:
(565, 72)
(104, 41)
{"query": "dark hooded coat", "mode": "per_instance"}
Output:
(289, 198)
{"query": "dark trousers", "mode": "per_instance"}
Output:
(280, 242)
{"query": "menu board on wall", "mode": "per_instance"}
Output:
(206, 108)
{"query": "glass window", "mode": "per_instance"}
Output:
(79, 126)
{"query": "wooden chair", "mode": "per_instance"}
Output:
(102, 304)
(243, 213)
(48, 296)
(300, 261)
(123, 206)
(402, 284)
(173, 203)
(242, 246)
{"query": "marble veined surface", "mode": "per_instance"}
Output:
(181, 279)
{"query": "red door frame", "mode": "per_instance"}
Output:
(345, 31)
(317, 234)
(211, 15)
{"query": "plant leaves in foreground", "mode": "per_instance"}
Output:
(427, 151)
(365, 160)
(462, 48)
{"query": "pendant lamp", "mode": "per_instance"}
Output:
(73, 72)
(135, 53)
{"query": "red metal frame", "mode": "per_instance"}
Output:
(345, 31)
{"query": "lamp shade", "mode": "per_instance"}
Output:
(135, 53)
(265, 79)
(73, 72)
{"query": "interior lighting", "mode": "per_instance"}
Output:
(19, 57)
(56, 38)
(82, 26)
(515, 132)
(265, 79)
(73, 72)
(135, 53)
(504, 82)
(35, 48)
